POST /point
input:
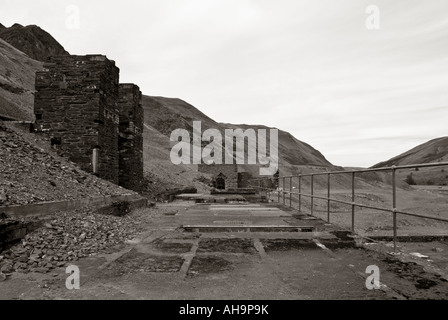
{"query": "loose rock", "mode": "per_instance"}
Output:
(70, 236)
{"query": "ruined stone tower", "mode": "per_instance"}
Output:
(76, 103)
(82, 108)
(130, 140)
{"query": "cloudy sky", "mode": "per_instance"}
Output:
(310, 67)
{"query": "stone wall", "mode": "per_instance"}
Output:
(130, 141)
(228, 171)
(245, 180)
(76, 103)
(12, 231)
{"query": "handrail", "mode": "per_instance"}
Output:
(352, 203)
(408, 166)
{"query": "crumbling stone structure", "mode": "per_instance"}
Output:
(245, 180)
(78, 103)
(224, 176)
(130, 140)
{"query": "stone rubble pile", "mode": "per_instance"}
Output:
(65, 238)
(29, 174)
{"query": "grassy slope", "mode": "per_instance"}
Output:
(167, 114)
(160, 172)
(435, 150)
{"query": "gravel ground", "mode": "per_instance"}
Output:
(68, 236)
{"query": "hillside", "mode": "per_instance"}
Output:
(22, 50)
(33, 41)
(17, 73)
(291, 151)
(163, 115)
(168, 114)
(435, 150)
(160, 173)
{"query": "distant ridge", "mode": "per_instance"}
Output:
(33, 41)
(435, 150)
(168, 114)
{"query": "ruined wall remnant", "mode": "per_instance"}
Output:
(130, 141)
(225, 176)
(76, 104)
(90, 118)
(245, 180)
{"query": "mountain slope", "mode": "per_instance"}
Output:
(163, 115)
(17, 77)
(167, 114)
(33, 41)
(160, 173)
(435, 150)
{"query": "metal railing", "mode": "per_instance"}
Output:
(352, 203)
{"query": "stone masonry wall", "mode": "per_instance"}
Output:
(130, 141)
(245, 180)
(230, 171)
(76, 103)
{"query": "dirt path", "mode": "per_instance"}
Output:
(165, 262)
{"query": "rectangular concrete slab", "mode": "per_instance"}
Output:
(232, 208)
(270, 235)
(246, 228)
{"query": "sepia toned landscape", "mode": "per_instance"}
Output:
(92, 206)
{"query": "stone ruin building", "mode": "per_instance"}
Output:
(92, 119)
(224, 176)
(227, 177)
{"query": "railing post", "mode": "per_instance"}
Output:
(353, 202)
(278, 189)
(290, 190)
(312, 194)
(268, 191)
(267, 187)
(394, 207)
(328, 200)
(300, 193)
(283, 191)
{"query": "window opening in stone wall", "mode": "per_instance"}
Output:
(56, 142)
(63, 83)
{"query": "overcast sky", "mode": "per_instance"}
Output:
(310, 67)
